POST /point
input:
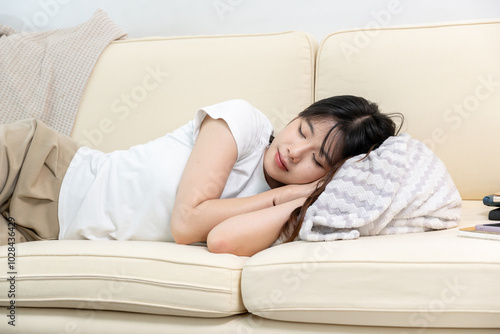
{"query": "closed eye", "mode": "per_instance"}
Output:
(316, 161)
(300, 131)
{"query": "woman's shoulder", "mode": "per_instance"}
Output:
(245, 113)
(234, 106)
(237, 110)
(248, 125)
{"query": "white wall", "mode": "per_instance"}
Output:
(207, 17)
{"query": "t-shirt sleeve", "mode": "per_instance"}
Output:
(246, 123)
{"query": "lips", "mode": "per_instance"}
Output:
(279, 162)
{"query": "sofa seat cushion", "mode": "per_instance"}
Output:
(143, 277)
(432, 279)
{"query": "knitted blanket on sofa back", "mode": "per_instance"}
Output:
(44, 74)
(401, 187)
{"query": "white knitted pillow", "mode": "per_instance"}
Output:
(401, 187)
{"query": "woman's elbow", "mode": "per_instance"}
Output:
(224, 244)
(181, 233)
(219, 243)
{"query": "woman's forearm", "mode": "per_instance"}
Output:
(193, 224)
(249, 233)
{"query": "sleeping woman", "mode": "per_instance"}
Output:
(222, 178)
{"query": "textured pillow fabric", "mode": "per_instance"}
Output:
(401, 187)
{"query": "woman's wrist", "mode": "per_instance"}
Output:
(280, 196)
(287, 193)
(291, 192)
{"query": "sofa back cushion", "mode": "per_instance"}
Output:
(141, 89)
(444, 79)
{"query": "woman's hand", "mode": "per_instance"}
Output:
(251, 232)
(294, 191)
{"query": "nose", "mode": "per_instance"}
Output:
(297, 151)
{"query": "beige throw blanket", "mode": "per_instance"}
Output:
(43, 74)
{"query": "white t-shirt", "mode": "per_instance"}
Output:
(130, 194)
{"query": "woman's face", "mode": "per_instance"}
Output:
(294, 155)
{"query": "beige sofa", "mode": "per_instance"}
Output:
(444, 79)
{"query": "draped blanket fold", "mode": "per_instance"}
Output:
(44, 74)
(401, 187)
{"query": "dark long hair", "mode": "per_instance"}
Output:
(359, 127)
